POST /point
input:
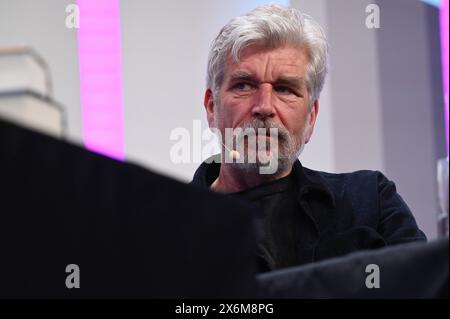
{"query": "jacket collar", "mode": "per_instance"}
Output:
(310, 182)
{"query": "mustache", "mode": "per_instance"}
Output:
(255, 124)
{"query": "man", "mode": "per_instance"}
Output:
(266, 70)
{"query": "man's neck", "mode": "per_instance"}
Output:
(231, 180)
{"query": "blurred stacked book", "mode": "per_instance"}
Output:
(25, 92)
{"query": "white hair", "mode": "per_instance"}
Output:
(270, 26)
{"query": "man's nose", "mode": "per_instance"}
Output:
(263, 104)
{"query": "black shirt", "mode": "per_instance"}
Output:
(277, 209)
(337, 214)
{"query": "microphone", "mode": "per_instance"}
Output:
(232, 153)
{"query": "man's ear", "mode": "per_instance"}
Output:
(208, 102)
(312, 120)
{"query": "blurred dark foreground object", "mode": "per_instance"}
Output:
(132, 233)
(416, 270)
(136, 234)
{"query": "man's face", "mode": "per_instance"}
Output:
(266, 87)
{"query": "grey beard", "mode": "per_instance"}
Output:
(285, 155)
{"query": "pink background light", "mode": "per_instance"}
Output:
(99, 53)
(445, 73)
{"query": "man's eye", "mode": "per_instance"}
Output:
(284, 90)
(242, 86)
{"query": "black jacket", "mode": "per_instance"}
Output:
(342, 213)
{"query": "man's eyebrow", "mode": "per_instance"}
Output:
(294, 81)
(242, 75)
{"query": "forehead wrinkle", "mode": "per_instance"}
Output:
(269, 65)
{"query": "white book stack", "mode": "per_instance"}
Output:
(25, 92)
